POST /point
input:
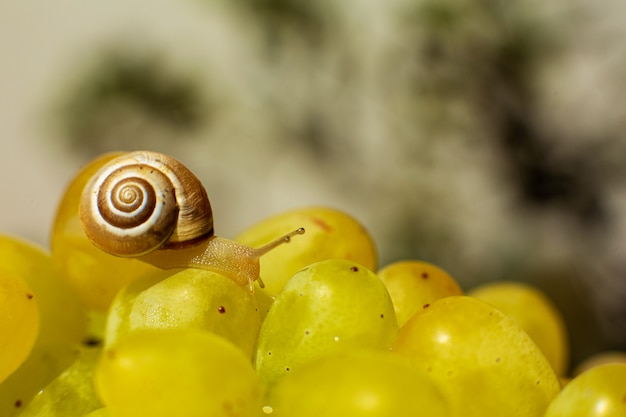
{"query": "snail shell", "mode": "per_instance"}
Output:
(142, 201)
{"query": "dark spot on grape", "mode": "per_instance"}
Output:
(300, 294)
(29, 296)
(306, 332)
(426, 305)
(425, 275)
(269, 353)
(497, 360)
(18, 403)
(228, 408)
(151, 171)
(92, 341)
(354, 269)
(382, 316)
(538, 382)
(287, 369)
(221, 309)
(429, 369)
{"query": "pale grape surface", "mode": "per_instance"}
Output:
(188, 298)
(356, 384)
(597, 392)
(19, 322)
(72, 393)
(93, 275)
(177, 372)
(330, 234)
(329, 306)
(413, 285)
(535, 313)
(482, 361)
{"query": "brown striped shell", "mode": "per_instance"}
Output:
(142, 201)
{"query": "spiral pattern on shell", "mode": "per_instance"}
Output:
(142, 201)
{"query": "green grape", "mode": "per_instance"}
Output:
(482, 361)
(19, 322)
(533, 312)
(177, 372)
(72, 393)
(415, 284)
(93, 275)
(328, 306)
(190, 298)
(597, 392)
(356, 384)
(330, 234)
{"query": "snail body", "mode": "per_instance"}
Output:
(150, 206)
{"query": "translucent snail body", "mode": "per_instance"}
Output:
(150, 206)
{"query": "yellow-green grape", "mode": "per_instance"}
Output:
(63, 319)
(19, 322)
(535, 313)
(329, 306)
(72, 393)
(413, 285)
(62, 323)
(483, 362)
(94, 275)
(190, 298)
(330, 234)
(356, 384)
(597, 392)
(177, 372)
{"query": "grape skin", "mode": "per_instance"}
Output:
(170, 372)
(329, 306)
(19, 322)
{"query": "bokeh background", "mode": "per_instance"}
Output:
(484, 136)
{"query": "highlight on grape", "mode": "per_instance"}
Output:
(331, 333)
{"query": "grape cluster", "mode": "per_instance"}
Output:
(83, 333)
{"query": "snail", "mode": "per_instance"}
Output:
(150, 206)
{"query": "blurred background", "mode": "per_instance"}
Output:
(484, 136)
